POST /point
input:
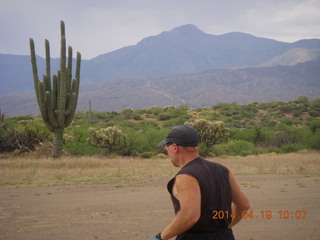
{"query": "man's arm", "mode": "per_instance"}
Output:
(187, 190)
(239, 199)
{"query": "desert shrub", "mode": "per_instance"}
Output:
(143, 124)
(111, 138)
(24, 117)
(147, 154)
(103, 116)
(26, 141)
(163, 116)
(234, 147)
(176, 121)
(243, 134)
(291, 148)
(210, 133)
(35, 125)
(314, 125)
(315, 113)
(221, 106)
(137, 116)
(79, 144)
(183, 107)
(140, 111)
(312, 140)
(287, 108)
(296, 113)
(211, 115)
(144, 140)
(155, 110)
(284, 135)
(315, 141)
(289, 121)
(246, 114)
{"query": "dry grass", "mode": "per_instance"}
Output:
(17, 171)
(292, 163)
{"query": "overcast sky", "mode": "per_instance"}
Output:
(95, 27)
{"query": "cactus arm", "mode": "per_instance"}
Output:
(58, 89)
(78, 74)
(62, 81)
(71, 104)
(62, 100)
(69, 69)
(75, 93)
(48, 74)
(74, 85)
(70, 59)
(34, 69)
(78, 66)
(54, 92)
(68, 80)
(42, 102)
(43, 108)
(50, 111)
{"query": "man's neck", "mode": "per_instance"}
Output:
(188, 158)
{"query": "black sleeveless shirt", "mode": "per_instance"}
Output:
(216, 196)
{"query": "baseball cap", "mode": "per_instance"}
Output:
(182, 135)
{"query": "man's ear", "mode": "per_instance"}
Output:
(176, 148)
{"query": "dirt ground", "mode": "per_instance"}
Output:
(140, 210)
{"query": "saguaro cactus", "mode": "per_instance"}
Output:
(57, 100)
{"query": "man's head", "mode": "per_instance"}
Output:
(182, 135)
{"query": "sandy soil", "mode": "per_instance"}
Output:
(140, 210)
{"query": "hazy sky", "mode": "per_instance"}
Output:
(95, 27)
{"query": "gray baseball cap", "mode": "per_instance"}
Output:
(182, 135)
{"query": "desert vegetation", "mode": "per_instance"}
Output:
(256, 128)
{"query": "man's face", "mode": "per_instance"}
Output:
(171, 154)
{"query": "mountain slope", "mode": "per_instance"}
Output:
(293, 56)
(279, 83)
(187, 49)
(183, 50)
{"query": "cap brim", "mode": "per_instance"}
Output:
(162, 143)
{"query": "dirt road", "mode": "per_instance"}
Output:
(140, 210)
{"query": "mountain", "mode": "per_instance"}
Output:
(184, 65)
(261, 84)
(292, 57)
(183, 50)
(187, 49)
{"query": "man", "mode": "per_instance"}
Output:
(202, 192)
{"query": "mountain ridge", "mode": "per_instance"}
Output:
(246, 85)
(174, 55)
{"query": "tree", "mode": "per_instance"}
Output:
(58, 103)
(112, 138)
(211, 133)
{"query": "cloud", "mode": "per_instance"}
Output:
(96, 27)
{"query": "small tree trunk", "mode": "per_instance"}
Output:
(57, 142)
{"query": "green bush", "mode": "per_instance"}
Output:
(147, 154)
(234, 147)
(163, 116)
(78, 145)
(313, 140)
(291, 148)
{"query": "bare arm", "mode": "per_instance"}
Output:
(187, 191)
(239, 199)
